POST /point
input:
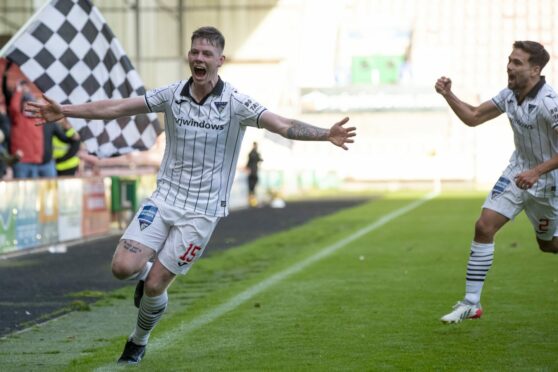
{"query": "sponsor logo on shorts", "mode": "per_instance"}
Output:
(499, 187)
(146, 216)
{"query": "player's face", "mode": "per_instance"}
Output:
(520, 71)
(204, 60)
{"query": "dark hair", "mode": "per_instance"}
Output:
(211, 34)
(538, 56)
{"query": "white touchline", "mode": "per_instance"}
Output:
(163, 340)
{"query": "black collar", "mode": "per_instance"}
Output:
(217, 90)
(535, 90)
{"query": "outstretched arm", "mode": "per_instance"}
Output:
(297, 130)
(470, 115)
(50, 110)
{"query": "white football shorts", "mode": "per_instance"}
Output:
(177, 236)
(509, 200)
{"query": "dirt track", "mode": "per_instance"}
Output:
(34, 286)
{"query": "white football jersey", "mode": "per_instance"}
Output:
(202, 144)
(534, 124)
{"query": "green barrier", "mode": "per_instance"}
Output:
(124, 194)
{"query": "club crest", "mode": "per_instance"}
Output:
(531, 107)
(220, 106)
(146, 216)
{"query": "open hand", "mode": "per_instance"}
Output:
(47, 111)
(340, 136)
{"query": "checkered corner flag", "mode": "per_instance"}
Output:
(70, 53)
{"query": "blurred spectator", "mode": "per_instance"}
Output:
(47, 168)
(4, 135)
(65, 154)
(4, 127)
(26, 138)
(6, 160)
(254, 159)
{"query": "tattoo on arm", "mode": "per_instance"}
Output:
(306, 132)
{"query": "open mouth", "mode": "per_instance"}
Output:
(200, 72)
(511, 78)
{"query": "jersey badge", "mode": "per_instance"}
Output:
(499, 187)
(220, 106)
(531, 107)
(147, 215)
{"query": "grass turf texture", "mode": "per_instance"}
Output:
(373, 305)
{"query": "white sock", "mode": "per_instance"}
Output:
(150, 312)
(480, 261)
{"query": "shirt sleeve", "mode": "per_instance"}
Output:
(247, 109)
(500, 99)
(550, 110)
(159, 98)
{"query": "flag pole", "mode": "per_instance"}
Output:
(22, 29)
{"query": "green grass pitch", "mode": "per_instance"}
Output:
(371, 302)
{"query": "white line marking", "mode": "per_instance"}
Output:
(236, 301)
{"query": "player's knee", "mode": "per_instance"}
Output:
(121, 269)
(484, 229)
(153, 288)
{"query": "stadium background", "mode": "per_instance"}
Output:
(373, 60)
